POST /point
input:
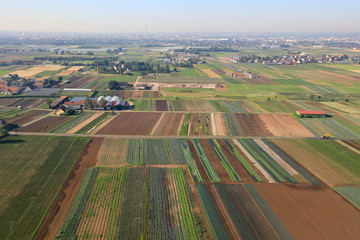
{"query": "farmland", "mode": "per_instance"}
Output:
(201, 155)
(31, 179)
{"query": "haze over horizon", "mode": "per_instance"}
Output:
(180, 16)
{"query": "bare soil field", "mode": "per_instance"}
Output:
(315, 162)
(84, 123)
(29, 102)
(8, 101)
(131, 123)
(198, 106)
(220, 125)
(59, 209)
(45, 125)
(284, 126)
(77, 82)
(38, 69)
(26, 117)
(69, 71)
(169, 125)
(312, 212)
(249, 125)
(161, 105)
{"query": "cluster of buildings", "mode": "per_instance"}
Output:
(293, 59)
(13, 89)
(243, 74)
(78, 103)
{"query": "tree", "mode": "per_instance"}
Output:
(112, 85)
(89, 104)
(60, 78)
(102, 102)
(69, 112)
(48, 102)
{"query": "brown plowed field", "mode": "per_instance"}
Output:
(78, 81)
(219, 168)
(63, 201)
(249, 125)
(315, 212)
(161, 105)
(28, 102)
(45, 125)
(131, 123)
(169, 125)
(8, 101)
(235, 163)
(26, 117)
(156, 94)
(284, 126)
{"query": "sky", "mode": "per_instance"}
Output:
(131, 16)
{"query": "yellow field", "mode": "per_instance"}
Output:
(210, 73)
(38, 69)
(342, 107)
(69, 71)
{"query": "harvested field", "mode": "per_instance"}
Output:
(76, 82)
(198, 106)
(161, 105)
(28, 103)
(342, 107)
(8, 101)
(44, 125)
(112, 152)
(312, 212)
(69, 71)
(220, 125)
(210, 73)
(168, 125)
(309, 155)
(38, 69)
(241, 124)
(27, 117)
(284, 126)
(131, 123)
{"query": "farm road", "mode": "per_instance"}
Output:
(162, 137)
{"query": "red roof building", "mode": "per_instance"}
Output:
(303, 113)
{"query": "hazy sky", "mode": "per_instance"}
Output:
(181, 16)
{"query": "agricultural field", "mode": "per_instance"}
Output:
(72, 123)
(45, 124)
(27, 117)
(27, 103)
(34, 169)
(157, 205)
(36, 70)
(169, 124)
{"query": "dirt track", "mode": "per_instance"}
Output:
(62, 203)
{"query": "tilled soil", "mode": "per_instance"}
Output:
(26, 117)
(168, 125)
(131, 123)
(45, 125)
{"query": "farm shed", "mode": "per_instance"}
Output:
(311, 114)
(59, 101)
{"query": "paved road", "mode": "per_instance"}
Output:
(159, 137)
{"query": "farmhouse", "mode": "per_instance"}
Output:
(311, 114)
(59, 101)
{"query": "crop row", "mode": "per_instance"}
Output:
(38, 166)
(69, 226)
(72, 123)
(205, 161)
(154, 151)
(133, 152)
(352, 194)
(94, 123)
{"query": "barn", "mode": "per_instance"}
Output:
(311, 114)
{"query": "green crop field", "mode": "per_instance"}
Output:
(36, 167)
